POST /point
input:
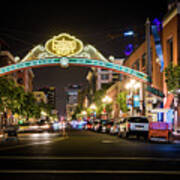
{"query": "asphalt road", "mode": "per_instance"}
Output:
(87, 155)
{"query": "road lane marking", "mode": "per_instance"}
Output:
(162, 172)
(32, 144)
(87, 158)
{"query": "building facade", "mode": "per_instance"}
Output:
(72, 92)
(154, 97)
(50, 93)
(104, 76)
(25, 79)
(40, 97)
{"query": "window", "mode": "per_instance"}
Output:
(136, 65)
(104, 77)
(20, 81)
(170, 50)
(144, 60)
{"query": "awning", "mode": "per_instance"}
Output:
(169, 101)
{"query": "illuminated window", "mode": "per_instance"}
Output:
(104, 77)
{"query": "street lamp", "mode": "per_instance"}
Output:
(93, 107)
(84, 113)
(132, 86)
(106, 100)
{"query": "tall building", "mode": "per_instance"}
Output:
(50, 93)
(71, 99)
(40, 97)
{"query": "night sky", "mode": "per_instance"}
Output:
(25, 24)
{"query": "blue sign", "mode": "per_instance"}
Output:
(170, 116)
(136, 101)
(128, 49)
(157, 23)
(158, 45)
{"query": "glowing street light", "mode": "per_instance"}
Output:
(106, 100)
(84, 113)
(93, 107)
(131, 86)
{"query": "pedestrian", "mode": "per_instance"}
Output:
(63, 128)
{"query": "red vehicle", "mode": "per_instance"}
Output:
(159, 131)
(88, 126)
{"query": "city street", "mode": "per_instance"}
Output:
(86, 153)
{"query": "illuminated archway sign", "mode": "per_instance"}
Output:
(74, 61)
(64, 45)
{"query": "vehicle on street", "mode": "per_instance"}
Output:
(96, 125)
(115, 127)
(34, 127)
(138, 126)
(88, 126)
(160, 131)
(107, 126)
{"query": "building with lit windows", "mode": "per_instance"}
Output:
(50, 93)
(6, 58)
(160, 49)
(24, 77)
(108, 77)
(72, 92)
(40, 97)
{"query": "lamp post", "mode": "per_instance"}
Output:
(132, 86)
(84, 114)
(93, 108)
(106, 100)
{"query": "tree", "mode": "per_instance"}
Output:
(172, 74)
(122, 101)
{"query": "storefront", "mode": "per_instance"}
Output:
(154, 104)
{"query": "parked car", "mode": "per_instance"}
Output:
(115, 127)
(96, 124)
(88, 126)
(138, 126)
(107, 126)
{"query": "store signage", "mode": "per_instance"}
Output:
(65, 61)
(64, 45)
(136, 101)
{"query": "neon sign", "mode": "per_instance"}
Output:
(65, 61)
(64, 45)
(128, 50)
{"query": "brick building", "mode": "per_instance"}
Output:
(156, 96)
